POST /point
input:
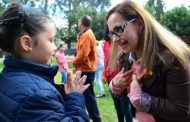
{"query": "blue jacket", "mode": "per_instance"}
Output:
(27, 94)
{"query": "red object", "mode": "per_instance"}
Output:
(109, 75)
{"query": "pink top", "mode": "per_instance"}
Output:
(61, 61)
(100, 54)
(140, 116)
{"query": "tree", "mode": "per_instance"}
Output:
(74, 9)
(155, 7)
(177, 20)
(70, 11)
(149, 6)
(159, 8)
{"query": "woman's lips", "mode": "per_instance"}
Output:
(123, 45)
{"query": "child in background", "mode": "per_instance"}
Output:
(99, 69)
(61, 59)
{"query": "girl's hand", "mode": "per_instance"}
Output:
(77, 85)
(69, 61)
(122, 79)
(140, 100)
(139, 71)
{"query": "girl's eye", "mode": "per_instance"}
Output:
(51, 40)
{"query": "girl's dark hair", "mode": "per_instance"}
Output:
(18, 20)
(60, 46)
(106, 33)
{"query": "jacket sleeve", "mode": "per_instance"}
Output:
(46, 105)
(176, 104)
(83, 50)
(115, 90)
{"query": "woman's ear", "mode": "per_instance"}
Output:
(26, 43)
(140, 23)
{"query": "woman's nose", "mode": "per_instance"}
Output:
(115, 38)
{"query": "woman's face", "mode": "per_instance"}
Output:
(45, 48)
(125, 33)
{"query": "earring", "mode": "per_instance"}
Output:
(29, 49)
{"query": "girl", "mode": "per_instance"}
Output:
(27, 89)
(62, 62)
(156, 73)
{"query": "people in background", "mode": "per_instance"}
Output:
(86, 61)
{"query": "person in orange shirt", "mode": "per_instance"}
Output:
(86, 62)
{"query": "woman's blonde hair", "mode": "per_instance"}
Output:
(153, 37)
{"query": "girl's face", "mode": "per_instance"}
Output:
(45, 48)
(62, 48)
(124, 33)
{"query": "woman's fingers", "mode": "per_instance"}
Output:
(122, 70)
(128, 73)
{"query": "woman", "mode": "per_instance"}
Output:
(27, 89)
(156, 73)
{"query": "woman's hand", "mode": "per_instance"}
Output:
(77, 85)
(122, 79)
(134, 84)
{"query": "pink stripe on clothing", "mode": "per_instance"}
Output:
(144, 117)
(61, 61)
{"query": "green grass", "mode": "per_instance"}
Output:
(105, 105)
(1, 65)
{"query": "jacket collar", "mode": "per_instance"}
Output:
(81, 32)
(15, 64)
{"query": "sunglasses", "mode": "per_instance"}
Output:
(118, 30)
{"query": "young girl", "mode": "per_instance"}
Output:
(62, 62)
(27, 90)
(156, 73)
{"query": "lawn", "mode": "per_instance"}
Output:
(105, 104)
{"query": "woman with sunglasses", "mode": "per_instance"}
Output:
(155, 73)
